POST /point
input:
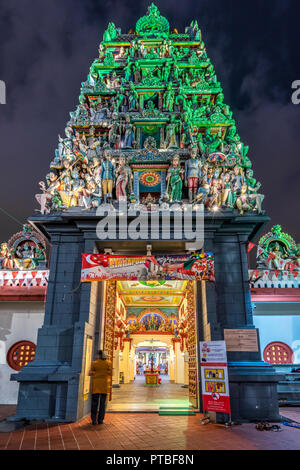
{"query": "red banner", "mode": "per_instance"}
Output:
(186, 267)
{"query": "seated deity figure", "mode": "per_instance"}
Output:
(277, 258)
(211, 199)
(192, 174)
(91, 195)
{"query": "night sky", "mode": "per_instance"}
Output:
(47, 47)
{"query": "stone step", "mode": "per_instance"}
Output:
(176, 412)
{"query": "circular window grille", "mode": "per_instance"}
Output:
(19, 354)
(278, 353)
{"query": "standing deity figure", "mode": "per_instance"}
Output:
(174, 178)
(226, 195)
(237, 182)
(137, 74)
(186, 132)
(119, 99)
(133, 97)
(45, 199)
(93, 145)
(107, 176)
(124, 179)
(127, 71)
(192, 174)
(253, 187)
(129, 133)
(169, 98)
(114, 137)
(6, 257)
(171, 129)
(166, 72)
(243, 203)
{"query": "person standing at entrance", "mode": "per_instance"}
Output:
(101, 371)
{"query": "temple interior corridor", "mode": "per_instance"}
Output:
(141, 397)
(149, 334)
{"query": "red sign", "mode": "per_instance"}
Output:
(214, 377)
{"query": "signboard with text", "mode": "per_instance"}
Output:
(241, 340)
(214, 376)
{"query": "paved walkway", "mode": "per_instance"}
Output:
(134, 431)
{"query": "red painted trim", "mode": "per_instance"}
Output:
(23, 294)
(275, 295)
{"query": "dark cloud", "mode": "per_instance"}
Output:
(47, 47)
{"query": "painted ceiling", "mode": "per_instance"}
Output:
(152, 293)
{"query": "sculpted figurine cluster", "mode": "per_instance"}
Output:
(25, 250)
(151, 125)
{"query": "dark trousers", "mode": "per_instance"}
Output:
(98, 407)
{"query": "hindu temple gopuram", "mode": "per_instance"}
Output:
(153, 137)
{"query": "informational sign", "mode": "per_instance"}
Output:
(214, 376)
(241, 340)
(145, 268)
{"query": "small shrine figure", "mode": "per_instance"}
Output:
(192, 174)
(174, 178)
(107, 177)
(124, 179)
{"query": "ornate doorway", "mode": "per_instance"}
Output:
(128, 326)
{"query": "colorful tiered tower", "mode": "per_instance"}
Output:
(151, 127)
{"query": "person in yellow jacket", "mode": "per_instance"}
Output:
(101, 371)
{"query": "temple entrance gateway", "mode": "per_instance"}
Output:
(151, 132)
(149, 331)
